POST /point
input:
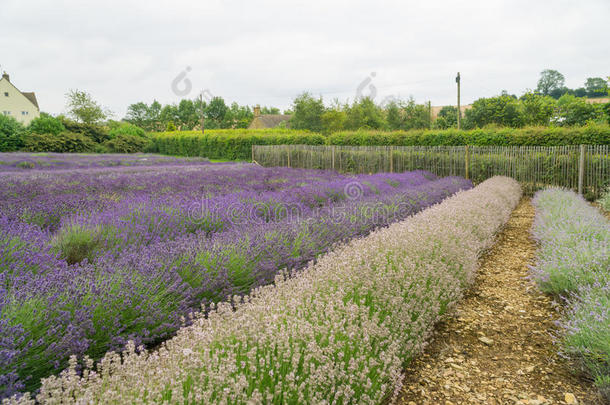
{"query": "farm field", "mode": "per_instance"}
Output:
(97, 250)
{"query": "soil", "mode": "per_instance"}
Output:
(498, 345)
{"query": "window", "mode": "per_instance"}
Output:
(6, 94)
(24, 113)
(7, 113)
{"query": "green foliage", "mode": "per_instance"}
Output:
(94, 132)
(501, 110)
(125, 128)
(75, 243)
(407, 115)
(537, 109)
(592, 134)
(307, 113)
(446, 118)
(46, 124)
(66, 142)
(604, 201)
(596, 87)
(573, 110)
(11, 134)
(550, 81)
(333, 121)
(126, 143)
(83, 108)
(229, 144)
(364, 114)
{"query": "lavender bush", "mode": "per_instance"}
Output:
(151, 261)
(340, 331)
(574, 262)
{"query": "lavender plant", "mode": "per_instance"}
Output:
(339, 331)
(150, 263)
(574, 262)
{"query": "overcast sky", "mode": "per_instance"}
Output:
(267, 52)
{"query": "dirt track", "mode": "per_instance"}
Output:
(498, 348)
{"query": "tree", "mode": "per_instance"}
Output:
(417, 116)
(550, 80)
(216, 110)
(537, 109)
(333, 121)
(137, 114)
(573, 110)
(83, 108)
(46, 124)
(446, 118)
(364, 113)
(596, 87)
(187, 115)
(169, 113)
(307, 112)
(499, 110)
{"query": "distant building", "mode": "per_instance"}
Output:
(269, 120)
(21, 106)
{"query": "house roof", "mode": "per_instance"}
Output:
(269, 120)
(32, 97)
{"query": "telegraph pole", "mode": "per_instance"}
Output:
(459, 110)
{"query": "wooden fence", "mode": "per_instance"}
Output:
(583, 168)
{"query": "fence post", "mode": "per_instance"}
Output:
(288, 154)
(333, 157)
(253, 152)
(581, 168)
(391, 159)
(467, 155)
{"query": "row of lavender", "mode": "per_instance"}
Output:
(338, 332)
(574, 263)
(153, 258)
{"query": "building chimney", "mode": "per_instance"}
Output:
(6, 76)
(257, 111)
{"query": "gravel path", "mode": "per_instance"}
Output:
(497, 346)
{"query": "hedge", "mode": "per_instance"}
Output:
(530, 136)
(65, 142)
(233, 144)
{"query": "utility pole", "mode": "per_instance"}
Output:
(429, 114)
(459, 110)
(202, 117)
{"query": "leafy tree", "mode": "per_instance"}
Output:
(394, 116)
(125, 128)
(417, 116)
(580, 92)
(499, 110)
(307, 113)
(11, 134)
(83, 108)
(364, 113)
(537, 109)
(169, 113)
(573, 110)
(187, 114)
(596, 87)
(446, 118)
(46, 124)
(153, 117)
(333, 120)
(238, 116)
(137, 114)
(270, 110)
(216, 110)
(550, 80)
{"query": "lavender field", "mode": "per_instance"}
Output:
(97, 251)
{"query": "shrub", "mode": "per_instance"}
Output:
(604, 201)
(593, 134)
(229, 143)
(94, 132)
(46, 124)
(124, 128)
(339, 332)
(11, 134)
(66, 142)
(125, 143)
